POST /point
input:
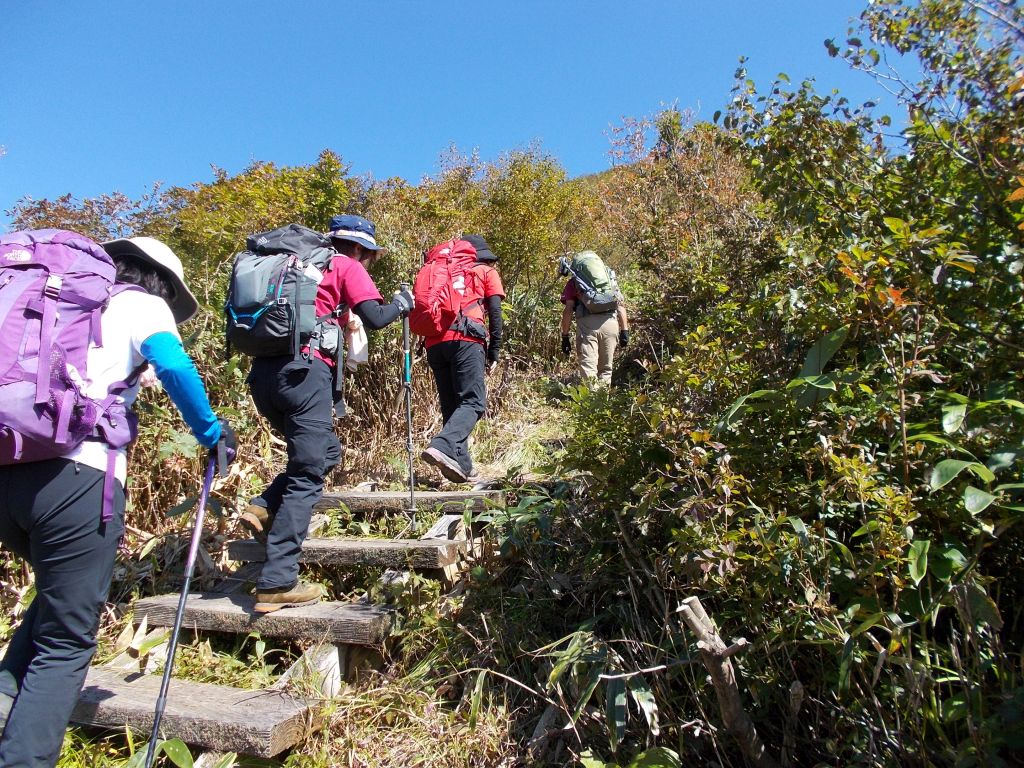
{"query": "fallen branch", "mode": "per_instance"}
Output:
(715, 655)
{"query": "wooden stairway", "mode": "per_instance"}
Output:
(265, 722)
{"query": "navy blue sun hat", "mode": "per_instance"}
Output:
(483, 252)
(347, 226)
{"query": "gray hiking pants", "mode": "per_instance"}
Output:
(50, 517)
(596, 339)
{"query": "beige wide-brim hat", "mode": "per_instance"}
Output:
(151, 251)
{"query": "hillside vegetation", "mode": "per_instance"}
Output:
(817, 430)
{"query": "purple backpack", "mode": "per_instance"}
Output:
(54, 284)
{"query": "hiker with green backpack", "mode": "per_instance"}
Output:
(592, 296)
(290, 295)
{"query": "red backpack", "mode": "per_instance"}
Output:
(449, 295)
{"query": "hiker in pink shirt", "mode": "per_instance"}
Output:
(298, 397)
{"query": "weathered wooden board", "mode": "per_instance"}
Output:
(353, 623)
(416, 554)
(398, 501)
(259, 723)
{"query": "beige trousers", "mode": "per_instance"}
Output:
(596, 338)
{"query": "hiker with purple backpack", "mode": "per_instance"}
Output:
(78, 325)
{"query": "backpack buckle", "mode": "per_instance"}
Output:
(53, 285)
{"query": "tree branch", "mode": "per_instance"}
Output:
(716, 655)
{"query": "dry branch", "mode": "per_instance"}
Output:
(715, 655)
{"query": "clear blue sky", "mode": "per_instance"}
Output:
(113, 96)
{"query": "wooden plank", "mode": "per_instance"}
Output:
(453, 527)
(398, 501)
(389, 553)
(244, 577)
(259, 723)
(354, 623)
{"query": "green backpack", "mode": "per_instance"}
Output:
(595, 283)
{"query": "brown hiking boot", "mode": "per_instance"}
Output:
(301, 593)
(449, 467)
(257, 520)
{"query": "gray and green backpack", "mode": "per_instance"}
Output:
(270, 308)
(595, 282)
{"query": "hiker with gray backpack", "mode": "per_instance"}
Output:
(78, 325)
(592, 296)
(290, 296)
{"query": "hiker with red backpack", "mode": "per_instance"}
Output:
(457, 287)
(296, 387)
(79, 324)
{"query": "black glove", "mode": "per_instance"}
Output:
(624, 337)
(404, 301)
(493, 353)
(229, 440)
(566, 344)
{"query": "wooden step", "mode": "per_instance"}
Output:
(398, 501)
(415, 554)
(350, 623)
(259, 723)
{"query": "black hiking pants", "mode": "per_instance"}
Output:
(458, 368)
(296, 397)
(50, 516)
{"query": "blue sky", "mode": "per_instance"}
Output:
(113, 96)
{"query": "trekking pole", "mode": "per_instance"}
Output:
(407, 384)
(193, 551)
